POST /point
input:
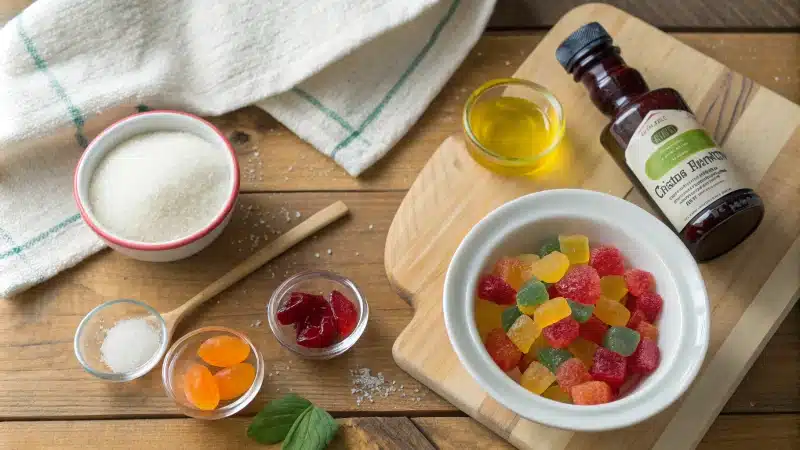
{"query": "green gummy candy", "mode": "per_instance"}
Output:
(552, 358)
(580, 312)
(621, 340)
(532, 294)
(509, 316)
(550, 245)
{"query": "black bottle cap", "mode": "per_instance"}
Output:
(580, 42)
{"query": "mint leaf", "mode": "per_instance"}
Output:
(272, 424)
(313, 430)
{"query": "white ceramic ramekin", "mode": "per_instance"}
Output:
(144, 123)
(518, 227)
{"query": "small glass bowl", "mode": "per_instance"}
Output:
(545, 101)
(93, 328)
(184, 352)
(316, 282)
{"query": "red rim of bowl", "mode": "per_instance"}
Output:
(170, 244)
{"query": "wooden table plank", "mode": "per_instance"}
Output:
(661, 13)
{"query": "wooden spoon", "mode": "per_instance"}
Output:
(263, 256)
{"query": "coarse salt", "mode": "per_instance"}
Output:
(129, 344)
(160, 186)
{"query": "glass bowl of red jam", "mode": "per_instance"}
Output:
(318, 314)
(212, 372)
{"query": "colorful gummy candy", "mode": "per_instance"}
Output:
(223, 350)
(578, 333)
(205, 390)
(200, 387)
(319, 322)
(235, 380)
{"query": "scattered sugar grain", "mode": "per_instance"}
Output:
(316, 255)
(371, 226)
(330, 252)
(129, 344)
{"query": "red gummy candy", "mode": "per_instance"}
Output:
(495, 289)
(580, 284)
(650, 304)
(572, 372)
(318, 335)
(552, 292)
(639, 281)
(646, 358)
(636, 318)
(607, 260)
(608, 366)
(502, 350)
(561, 333)
(647, 330)
(591, 393)
(299, 306)
(526, 361)
(344, 313)
(593, 330)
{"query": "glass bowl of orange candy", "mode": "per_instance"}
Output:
(212, 372)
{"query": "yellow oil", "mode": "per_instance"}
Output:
(515, 131)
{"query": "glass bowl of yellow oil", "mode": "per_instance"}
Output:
(512, 125)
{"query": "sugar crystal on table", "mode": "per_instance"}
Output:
(495, 289)
(576, 247)
(552, 358)
(509, 316)
(639, 281)
(551, 312)
(523, 332)
(613, 287)
(612, 313)
(550, 268)
(488, 316)
(621, 340)
(580, 312)
(510, 270)
(537, 378)
(646, 358)
(502, 350)
(561, 333)
(591, 393)
(572, 372)
(581, 284)
(608, 366)
(548, 246)
(531, 296)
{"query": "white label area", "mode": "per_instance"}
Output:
(679, 165)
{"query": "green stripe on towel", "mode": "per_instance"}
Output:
(40, 237)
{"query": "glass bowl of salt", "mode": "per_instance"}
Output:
(121, 340)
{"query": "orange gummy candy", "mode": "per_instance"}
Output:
(223, 351)
(235, 380)
(510, 270)
(201, 387)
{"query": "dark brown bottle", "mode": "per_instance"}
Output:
(655, 138)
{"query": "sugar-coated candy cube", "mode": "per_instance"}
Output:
(576, 247)
(504, 353)
(639, 281)
(636, 318)
(572, 373)
(647, 330)
(551, 291)
(509, 269)
(650, 304)
(611, 312)
(581, 284)
(551, 267)
(593, 330)
(613, 287)
(608, 366)
(607, 260)
(552, 358)
(509, 316)
(526, 360)
(580, 312)
(487, 316)
(531, 296)
(584, 350)
(561, 333)
(646, 358)
(621, 340)
(548, 246)
(523, 332)
(591, 393)
(528, 258)
(551, 312)
(495, 289)
(536, 378)
(555, 393)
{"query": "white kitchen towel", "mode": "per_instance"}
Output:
(348, 76)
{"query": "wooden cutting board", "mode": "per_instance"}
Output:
(751, 289)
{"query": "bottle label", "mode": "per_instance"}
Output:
(679, 164)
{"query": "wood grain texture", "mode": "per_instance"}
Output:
(661, 13)
(761, 271)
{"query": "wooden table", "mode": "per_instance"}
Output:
(47, 401)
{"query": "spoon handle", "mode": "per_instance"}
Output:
(263, 256)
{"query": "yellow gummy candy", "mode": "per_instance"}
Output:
(487, 317)
(528, 258)
(538, 344)
(576, 247)
(555, 393)
(613, 287)
(613, 313)
(551, 312)
(551, 268)
(537, 378)
(510, 269)
(583, 350)
(523, 332)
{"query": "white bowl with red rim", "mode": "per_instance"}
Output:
(148, 122)
(519, 227)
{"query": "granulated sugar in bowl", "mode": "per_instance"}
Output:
(158, 186)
